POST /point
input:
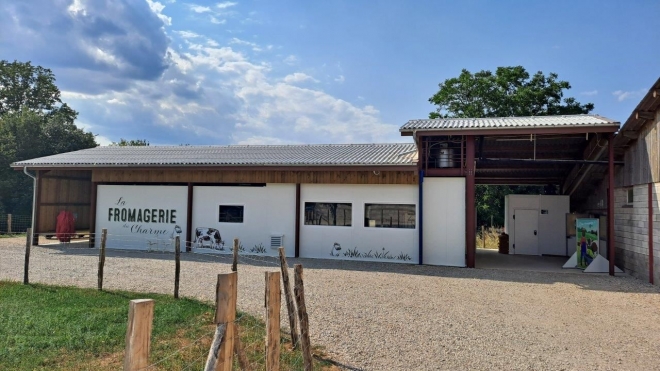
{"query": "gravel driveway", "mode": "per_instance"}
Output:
(375, 316)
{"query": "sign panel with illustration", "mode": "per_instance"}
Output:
(142, 217)
(587, 231)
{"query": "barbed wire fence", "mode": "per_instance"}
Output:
(250, 331)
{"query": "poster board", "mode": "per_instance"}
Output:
(587, 240)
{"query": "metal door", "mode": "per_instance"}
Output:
(526, 226)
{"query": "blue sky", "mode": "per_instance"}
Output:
(269, 72)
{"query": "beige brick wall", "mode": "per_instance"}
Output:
(631, 231)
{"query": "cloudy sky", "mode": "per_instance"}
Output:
(333, 71)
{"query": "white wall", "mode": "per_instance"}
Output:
(142, 235)
(267, 210)
(316, 241)
(444, 221)
(552, 226)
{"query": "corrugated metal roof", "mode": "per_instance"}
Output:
(507, 122)
(253, 155)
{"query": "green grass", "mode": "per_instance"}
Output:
(67, 328)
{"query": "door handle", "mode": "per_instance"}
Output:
(535, 232)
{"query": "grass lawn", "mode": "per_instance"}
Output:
(67, 328)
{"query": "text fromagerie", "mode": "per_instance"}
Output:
(142, 215)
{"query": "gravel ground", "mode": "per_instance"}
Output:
(376, 316)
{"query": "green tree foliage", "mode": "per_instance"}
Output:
(510, 91)
(34, 122)
(130, 143)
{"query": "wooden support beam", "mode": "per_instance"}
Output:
(610, 206)
(188, 240)
(36, 228)
(470, 217)
(645, 115)
(296, 248)
(650, 221)
(629, 134)
(92, 215)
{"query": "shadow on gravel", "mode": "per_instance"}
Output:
(586, 281)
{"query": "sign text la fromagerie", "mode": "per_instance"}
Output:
(131, 215)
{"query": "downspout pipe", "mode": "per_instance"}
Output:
(34, 195)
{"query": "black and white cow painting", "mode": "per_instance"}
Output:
(209, 238)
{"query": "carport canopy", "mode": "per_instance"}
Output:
(545, 150)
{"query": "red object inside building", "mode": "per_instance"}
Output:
(66, 226)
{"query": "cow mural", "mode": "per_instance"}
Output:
(209, 238)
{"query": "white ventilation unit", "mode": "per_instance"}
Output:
(276, 241)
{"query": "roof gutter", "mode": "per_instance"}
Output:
(34, 196)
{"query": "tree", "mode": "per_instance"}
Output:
(34, 122)
(130, 143)
(510, 91)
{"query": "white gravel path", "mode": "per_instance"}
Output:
(376, 316)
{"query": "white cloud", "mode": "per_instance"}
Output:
(157, 8)
(215, 20)
(298, 77)
(623, 95)
(225, 5)
(590, 92)
(188, 34)
(340, 79)
(199, 8)
(257, 140)
(291, 60)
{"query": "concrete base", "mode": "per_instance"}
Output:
(491, 259)
(601, 265)
(572, 262)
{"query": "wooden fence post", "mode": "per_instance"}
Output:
(177, 265)
(26, 269)
(221, 351)
(291, 310)
(8, 223)
(104, 238)
(243, 362)
(273, 303)
(138, 334)
(234, 264)
(302, 316)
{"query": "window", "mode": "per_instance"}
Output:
(631, 196)
(389, 215)
(325, 213)
(231, 214)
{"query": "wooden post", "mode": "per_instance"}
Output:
(104, 238)
(483, 237)
(234, 264)
(8, 223)
(610, 205)
(291, 309)
(302, 316)
(28, 242)
(273, 303)
(92, 215)
(221, 351)
(243, 362)
(470, 217)
(138, 334)
(177, 265)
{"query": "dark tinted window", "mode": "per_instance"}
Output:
(389, 215)
(231, 214)
(323, 213)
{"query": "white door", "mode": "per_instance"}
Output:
(444, 221)
(526, 226)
